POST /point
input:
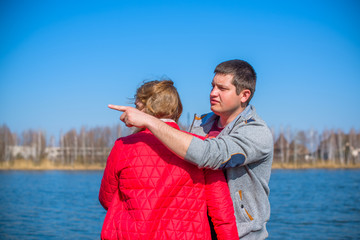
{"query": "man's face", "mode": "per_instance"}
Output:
(223, 98)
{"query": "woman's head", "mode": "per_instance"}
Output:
(159, 99)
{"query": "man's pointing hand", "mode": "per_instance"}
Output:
(177, 141)
(132, 117)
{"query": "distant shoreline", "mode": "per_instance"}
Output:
(324, 165)
(43, 165)
(26, 165)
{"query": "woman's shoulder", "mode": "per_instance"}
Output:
(134, 138)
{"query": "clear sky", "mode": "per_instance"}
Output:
(62, 62)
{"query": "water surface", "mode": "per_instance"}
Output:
(305, 204)
(315, 204)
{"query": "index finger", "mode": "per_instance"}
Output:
(117, 107)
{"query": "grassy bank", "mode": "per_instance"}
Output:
(21, 164)
(321, 165)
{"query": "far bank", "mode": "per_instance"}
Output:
(22, 164)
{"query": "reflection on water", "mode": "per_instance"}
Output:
(305, 204)
(315, 204)
(50, 205)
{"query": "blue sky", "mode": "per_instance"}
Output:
(63, 62)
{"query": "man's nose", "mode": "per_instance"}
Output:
(214, 92)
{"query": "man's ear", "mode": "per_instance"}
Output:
(245, 94)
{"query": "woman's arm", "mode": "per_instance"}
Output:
(109, 182)
(220, 206)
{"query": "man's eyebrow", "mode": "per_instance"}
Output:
(221, 85)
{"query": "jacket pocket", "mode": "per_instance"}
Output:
(245, 215)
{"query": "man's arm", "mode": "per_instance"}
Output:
(177, 141)
(246, 144)
(250, 143)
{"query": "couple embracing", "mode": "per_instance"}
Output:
(211, 182)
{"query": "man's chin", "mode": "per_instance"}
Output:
(214, 110)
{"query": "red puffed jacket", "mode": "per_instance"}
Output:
(150, 193)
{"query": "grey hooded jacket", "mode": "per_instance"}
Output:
(244, 149)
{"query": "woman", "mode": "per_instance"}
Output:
(150, 193)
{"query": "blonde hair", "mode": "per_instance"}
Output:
(159, 99)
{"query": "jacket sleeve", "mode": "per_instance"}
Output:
(109, 182)
(220, 206)
(248, 143)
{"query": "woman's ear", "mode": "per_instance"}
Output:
(140, 106)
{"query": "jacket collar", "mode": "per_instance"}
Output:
(171, 124)
(244, 115)
(206, 120)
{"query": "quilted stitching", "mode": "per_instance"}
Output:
(148, 197)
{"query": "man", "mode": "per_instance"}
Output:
(243, 144)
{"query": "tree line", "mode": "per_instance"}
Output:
(84, 146)
(89, 146)
(312, 147)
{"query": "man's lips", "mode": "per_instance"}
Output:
(213, 101)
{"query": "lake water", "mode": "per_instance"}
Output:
(305, 204)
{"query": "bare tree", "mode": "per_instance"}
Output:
(331, 147)
(357, 159)
(301, 141)
(313, 142)
(280, 147)
(352, 146)
(41, 145)
(35, 141)
(69, 145)
(324, 146)
(6, 140)
(341, 147)
(62, 148)
(82, 143)
(288, 136)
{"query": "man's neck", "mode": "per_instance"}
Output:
(226, 119)
(223, 121)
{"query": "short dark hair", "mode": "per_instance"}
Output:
(244, 75)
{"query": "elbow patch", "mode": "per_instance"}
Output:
(235, 160)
